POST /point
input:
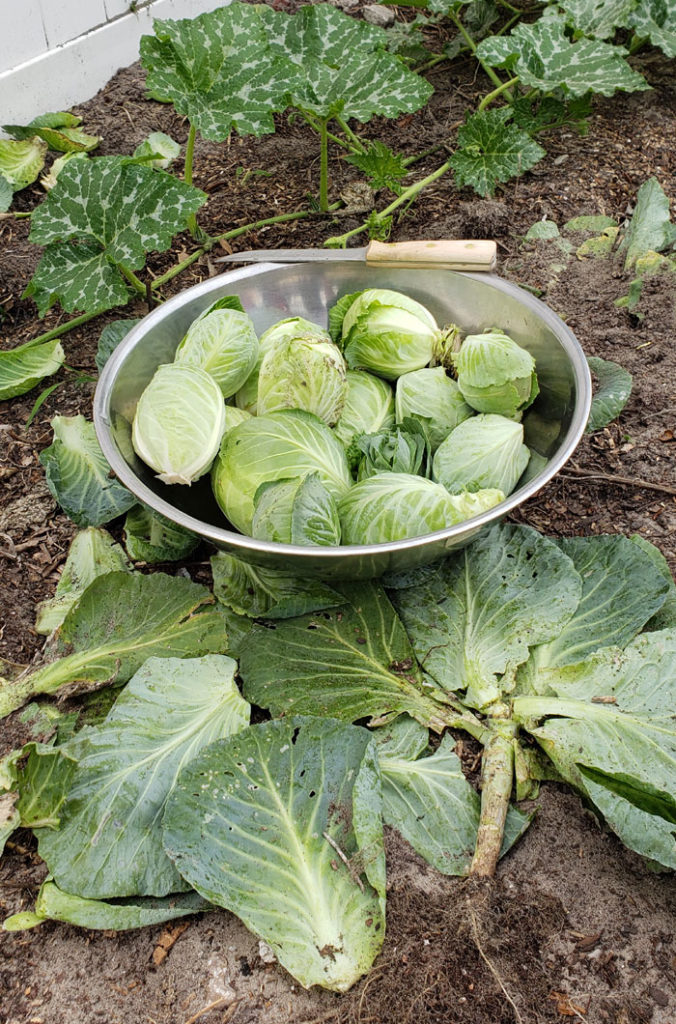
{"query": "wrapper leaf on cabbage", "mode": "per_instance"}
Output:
(495, 374)
(179, 423)
(303, 371)
(397, 506)
(484, 451)
(247, 396)
(369, 406)
(297, 511)
(223, 342)
(388, 333)
(275, 447)
(432, 397)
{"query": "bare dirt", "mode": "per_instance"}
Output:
(574, 927)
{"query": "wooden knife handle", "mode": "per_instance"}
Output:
(449, 253)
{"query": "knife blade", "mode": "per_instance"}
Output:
(450, 254)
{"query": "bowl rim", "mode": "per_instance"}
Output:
(222, 537)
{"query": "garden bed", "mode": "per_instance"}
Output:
(574, 926)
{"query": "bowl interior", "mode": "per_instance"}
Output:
(553, 425)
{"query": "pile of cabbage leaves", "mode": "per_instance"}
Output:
(158, 798)
(383, 428)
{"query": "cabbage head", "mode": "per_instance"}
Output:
(369, 406)
(397, 506)
(394, 450)
(179, 422)
(432, 397)
(247, 396)
(388, 333)
(495, 374)
(223, 342)
(297, 511)
(281, 445)
(303, 371)
(484, 451)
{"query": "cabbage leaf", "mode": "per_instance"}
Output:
(258, 591)
(254, 825)
(22, 368)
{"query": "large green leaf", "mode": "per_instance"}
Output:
(52, 904)
(544, 58)
(611, 394)
(650, 228)
(268, 593)
(598, 19)
(349, 663)
(218, 71)
(485, 606)
(621, 590)
(109, 841)
(491, 150)
(120, 620)
(79, 477)
(610, 731)
(431, 803)
(92, 553)
(665, 618)
(21, 369)
(656, 20)
(281, 825)
(21, 162)
(100, 219)
(341, 65)
(59, 130)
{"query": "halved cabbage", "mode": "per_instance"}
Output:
(484, 451)
(397, 506)
(179, 423)
(278, 446)
(388, 333)
(432, 397)
(223, 342)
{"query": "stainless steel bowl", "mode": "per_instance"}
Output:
(269, 292)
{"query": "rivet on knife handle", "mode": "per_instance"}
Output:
(453, 254)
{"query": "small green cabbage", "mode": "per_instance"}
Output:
(388, 333)
(484, 451)
(369, 406)
(397, 506)
(297, 511)
(179, 423)
(432, 397)
(303, 371)
(395, 450)
(275, 447)
(247, 396)
(495, 374)
(223, 342)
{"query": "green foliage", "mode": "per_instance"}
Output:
(218, 71)
(268, 593)
(78, 475)
(382, 167)
(151, 538)
(650, 228)
(98, 223)
(599, 19)
(491, 150)
(23, 368)
(282, 798)
(111, 336)
(60, 131)
(545, 59)
(158, 150)
(656, 21)
(21, 162)
(6, 194)
(611, 395)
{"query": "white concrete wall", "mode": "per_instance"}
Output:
(56, 53)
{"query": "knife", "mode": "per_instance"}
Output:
(449, 254)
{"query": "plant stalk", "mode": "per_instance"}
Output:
(323, 166)
(187, 174)
(505, 87)
(136, 284)
(497, 776)
(358, 145)
(56, 332)
(472, 45)
(334, 138)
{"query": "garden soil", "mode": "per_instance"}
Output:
(574, 927)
